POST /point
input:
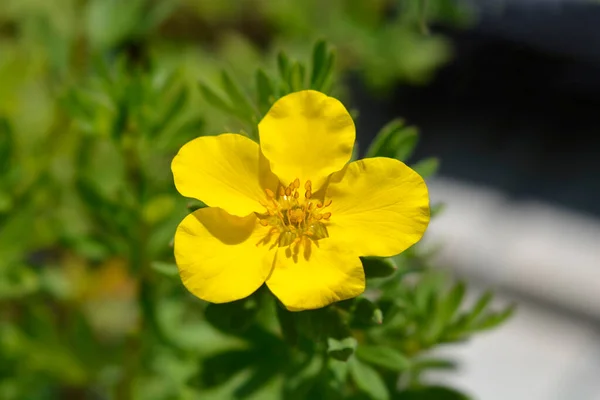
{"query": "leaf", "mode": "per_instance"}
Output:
(433, 363)
(215, 100)
(283, 65)
(394, 140)
(368, 380)
(452, 302)
(482, 303)
(234, 317)
(297, 77)
(319, 63)
(173, 109)
(239, 100)
(427, 167)
(6, 145)
(166, 269)
(383, 356)
(365, 313)
(437, 209)
(341, 349)
(378, 267)
(428, 288)
(265, 91)
(494, 320)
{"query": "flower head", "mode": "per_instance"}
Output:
(292, 212)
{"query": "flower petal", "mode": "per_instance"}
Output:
(218, 257)
(227, 171)
(380, 206)
(319, 274)
(307, 135)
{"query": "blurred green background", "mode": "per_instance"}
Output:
(96, 97)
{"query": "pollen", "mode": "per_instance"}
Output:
(293, 218)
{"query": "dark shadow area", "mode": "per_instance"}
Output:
(516, 110)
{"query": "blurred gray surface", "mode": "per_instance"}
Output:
(545, 258)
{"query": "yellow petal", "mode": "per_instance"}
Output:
(307, 135)
(380, 206)
(227, 171)
(218, 257)
(317, 275)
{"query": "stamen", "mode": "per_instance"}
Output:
(328, 203)
(293, 221)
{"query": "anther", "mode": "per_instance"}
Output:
(326, 215)
(327, 203)
(296, 183)
(308, 185)
(264, 222)
(270, 193)
(281, 191)
(319, 205)
(308, 194)
(296, 195)
(288, 191)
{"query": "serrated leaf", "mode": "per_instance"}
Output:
(319, 63)
(368, 380)
(378, 267)
(341, 349)
(427, 167)
(383, 356)
(264, 90)
(164, 268)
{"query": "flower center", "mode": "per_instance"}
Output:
(294, 219)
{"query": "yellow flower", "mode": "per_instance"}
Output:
(292, 212)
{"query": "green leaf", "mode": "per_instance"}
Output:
(365, 313)
(6, 145)
(166, 269)
(494, 320)
(319, 63)
(437, 209)
(427, 167)
(341, 349)
(235, 317)
(265, 91)
(427, 289)
(394, 140)
(383, 356)
(432, 363)
(482, 303)
(215, 100)
(173, 109)
(368, 380)
(297, 77)
(378, 267)
(239, 100)
(283, 65)
(452, 302)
